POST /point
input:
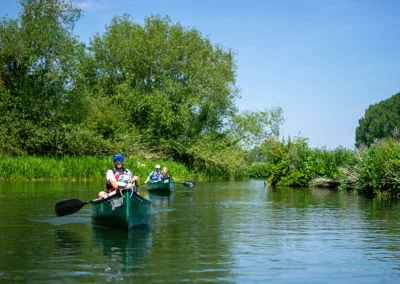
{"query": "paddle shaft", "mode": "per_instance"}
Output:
(70, 206)
(185, 183)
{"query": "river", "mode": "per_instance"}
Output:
(224, 232)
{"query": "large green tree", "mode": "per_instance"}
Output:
(171, 87)
(39, 59)
(154, 87)
(381, 120)
(170, 82)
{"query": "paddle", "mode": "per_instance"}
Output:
(70, 206)
(187, 183)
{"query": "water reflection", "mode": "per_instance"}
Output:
(65, 239)
(225, 232)
(161, 199)
(188, 196)
(124, 251)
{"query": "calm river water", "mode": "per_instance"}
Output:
(225, 232)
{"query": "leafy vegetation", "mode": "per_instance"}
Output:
(81, 168)
(381, 120)
(294, 163)
(376, 169)
(39, 60)
(157, 90)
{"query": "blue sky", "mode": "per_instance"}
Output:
(324, 62)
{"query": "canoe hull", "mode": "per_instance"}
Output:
(122, 212)
(167, 185)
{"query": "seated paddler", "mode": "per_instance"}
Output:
(118, 177)
(154, 175)
(164, 175)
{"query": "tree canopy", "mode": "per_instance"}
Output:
(169, 81)
(157, 87)
(381, 120)
(39, 58)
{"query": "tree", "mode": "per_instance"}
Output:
(381, 120)
(252, 128)
(160, 85)
(170, 81)
(39, 58)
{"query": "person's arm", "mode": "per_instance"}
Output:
(111, 179)
(134, 180)
(148, 178)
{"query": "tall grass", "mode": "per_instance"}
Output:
(328, 162)
(376, 170)
(258, 170)
(294, 163)
(81, 168)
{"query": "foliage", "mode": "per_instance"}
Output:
(294, 163)
(255, 155)
(38, 59)
(211, 156)
(328, 162)
(252, 128)
(258, 170)
(376, 170)
(289, 163)
(381, 120)
(157, 90)
(172, 82)
(80, 168)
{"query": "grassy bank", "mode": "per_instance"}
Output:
(376, 170)
(81, 168)
(373, 170)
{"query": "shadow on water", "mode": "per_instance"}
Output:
(162, 199)
(164, 202)
(188, 196)
(66, 239)
(123, 250)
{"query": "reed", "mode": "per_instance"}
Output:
(258, 170)
(294, 163)
(328, 162)
(83, 168)
(376, 170)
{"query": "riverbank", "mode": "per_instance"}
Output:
(85, 168)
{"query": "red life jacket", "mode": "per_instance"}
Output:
(117, 175)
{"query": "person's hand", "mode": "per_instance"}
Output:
(134, 179)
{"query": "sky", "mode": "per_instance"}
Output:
(324, 62)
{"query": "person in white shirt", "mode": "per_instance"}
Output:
(117, 176)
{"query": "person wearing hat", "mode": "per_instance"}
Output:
(154, 175)
(117, 175)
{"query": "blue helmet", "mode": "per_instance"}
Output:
(118, 156)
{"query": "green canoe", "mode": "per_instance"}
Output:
(166, 185)
(123, 210)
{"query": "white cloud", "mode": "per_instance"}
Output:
(92, 5)
(86, 5)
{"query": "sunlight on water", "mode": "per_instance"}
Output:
(238, 232)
